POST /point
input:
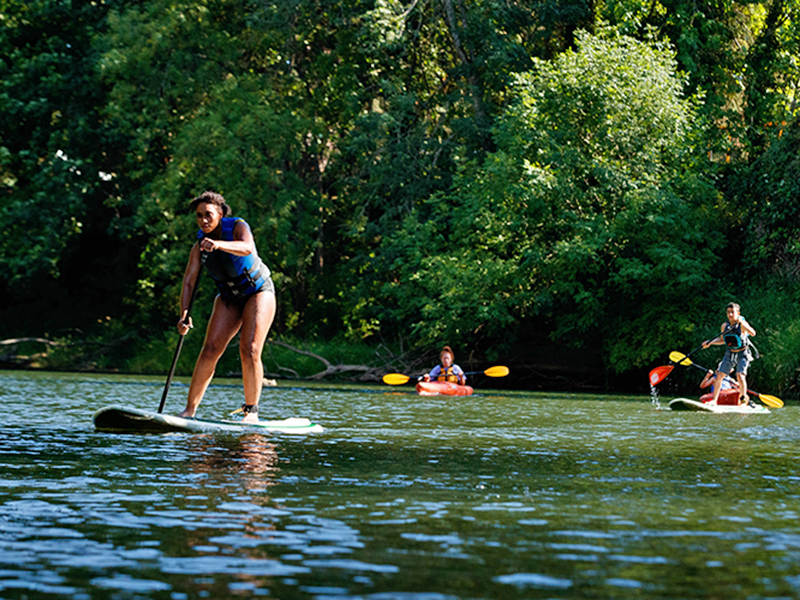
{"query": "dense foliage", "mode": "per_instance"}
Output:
(545, 182)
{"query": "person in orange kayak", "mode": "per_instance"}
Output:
(448, 370)
(245, 304)
(735, 333)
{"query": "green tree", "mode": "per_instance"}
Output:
(322, 121)
(56, 163)
(591, 216)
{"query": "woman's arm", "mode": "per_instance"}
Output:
(189, 278)
(241, 245)
(433, 373)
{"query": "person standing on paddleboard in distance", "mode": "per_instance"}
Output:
(735, 334)
(245, 304)
(447, 371)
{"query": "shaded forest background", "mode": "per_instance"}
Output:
(573, 188)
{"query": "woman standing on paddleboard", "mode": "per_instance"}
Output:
(246, 300)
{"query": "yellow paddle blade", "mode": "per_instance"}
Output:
(395, 378)
(680, 359)
(772, 401)
(496, 371)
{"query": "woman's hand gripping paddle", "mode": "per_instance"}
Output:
(399, 378)
(180, 340)
(683, 360)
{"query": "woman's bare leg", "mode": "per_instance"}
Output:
(225, 321)
(257, 317)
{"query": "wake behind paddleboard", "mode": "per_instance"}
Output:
(694, 405)
(127, 419)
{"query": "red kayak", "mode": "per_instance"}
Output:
(726, 398)
(447, 388)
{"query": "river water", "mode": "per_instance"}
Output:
(498, 495)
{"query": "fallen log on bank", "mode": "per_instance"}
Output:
(330, 369)
(387, 363)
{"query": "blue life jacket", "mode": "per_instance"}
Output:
(235, 276)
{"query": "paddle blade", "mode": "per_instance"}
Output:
(496, 371)
(772, 401)
(680, 359)
(659, 374)
(395, 378)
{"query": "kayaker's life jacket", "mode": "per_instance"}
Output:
(735, 338)
(448, 374)
(235, 276)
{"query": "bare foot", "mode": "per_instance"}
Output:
(250, 418)
(186, 413)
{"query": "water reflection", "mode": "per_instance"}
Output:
(252, 454)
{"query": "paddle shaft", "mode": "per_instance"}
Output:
(700, 347)
(180, 339)
(476, 373)
(659, 374)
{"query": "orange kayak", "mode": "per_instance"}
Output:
(447, 388)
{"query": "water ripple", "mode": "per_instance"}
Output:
(512, 494)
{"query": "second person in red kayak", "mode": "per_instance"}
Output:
(448, 370)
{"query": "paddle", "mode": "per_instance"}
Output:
(398, 378)
(180, 340)
(680, 359)
(659, 374)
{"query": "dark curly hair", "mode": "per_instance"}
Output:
(209, 197)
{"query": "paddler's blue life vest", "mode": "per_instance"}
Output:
(235, 276)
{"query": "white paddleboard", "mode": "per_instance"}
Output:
(694, 405)
(126, 418)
